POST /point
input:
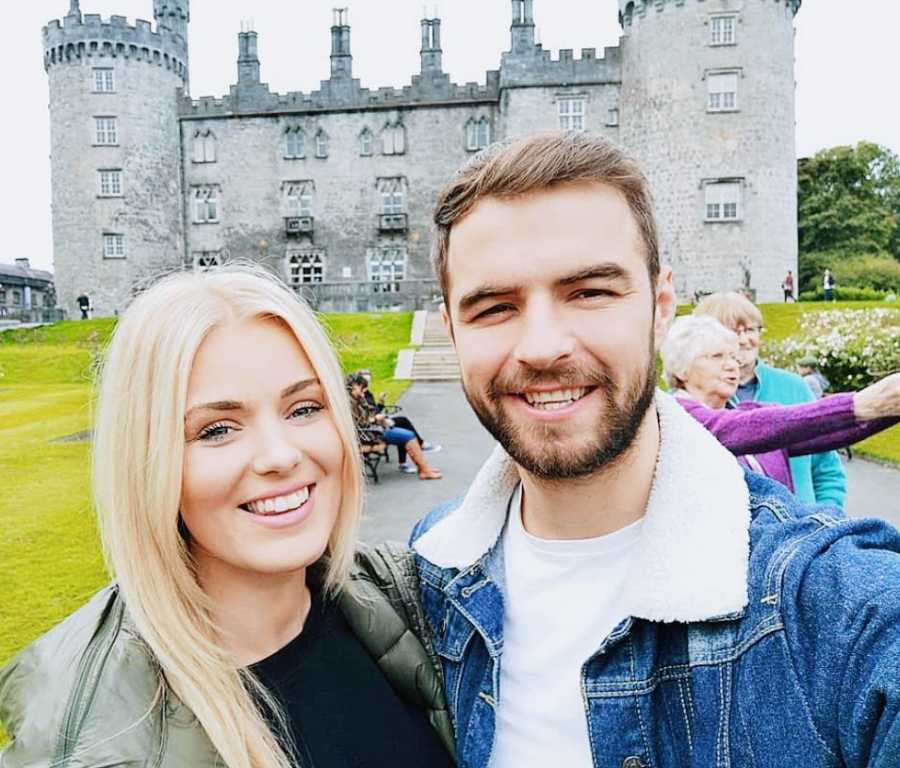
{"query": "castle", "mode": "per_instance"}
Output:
(333, 189)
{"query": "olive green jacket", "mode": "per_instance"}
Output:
(88, 695)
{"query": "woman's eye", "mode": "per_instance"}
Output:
(215, 432)
(305, 410)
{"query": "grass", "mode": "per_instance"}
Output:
(783, 320)
(48, 541)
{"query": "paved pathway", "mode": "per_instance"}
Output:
(441, 414)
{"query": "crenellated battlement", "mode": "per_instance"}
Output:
(539, 67)
(75, 38)
(631, 9)
(256, 98)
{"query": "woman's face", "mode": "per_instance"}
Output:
(714, 374)
(263, 459)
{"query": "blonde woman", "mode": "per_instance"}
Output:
(240, 629)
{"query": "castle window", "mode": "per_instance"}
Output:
(722, 199)
(366, 140)
(722, 91)
(478, 134)
(104, 80)
(305, 267)
(298, 198)
(204, 146)
(722, 29)
(393, 139)
(295, 143)
(393, 194)
(321, 143)
(386, 267)
(206, 204)
(204, 260)
(2, 295)
(16, 298)
(113, 246)
(571, 114)
(107, 131)
(110, 182)
(612, 117)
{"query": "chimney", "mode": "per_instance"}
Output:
(248, 60)
(341, 60)
(522, 29)
(431, 46)
(22, 261)
(74, 10)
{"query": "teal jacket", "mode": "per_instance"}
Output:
(819, 477)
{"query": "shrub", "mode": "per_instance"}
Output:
(845, 294)
(879, 272)
(854, 347)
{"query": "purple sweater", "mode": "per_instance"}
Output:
(764, 435)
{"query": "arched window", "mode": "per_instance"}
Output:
(393, 139)
(295, 142)
(366, 139)
(478, 133)
(321, 143)
(204, 146)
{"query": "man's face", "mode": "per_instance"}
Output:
(552, 314)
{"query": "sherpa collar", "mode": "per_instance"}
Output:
(692, 558)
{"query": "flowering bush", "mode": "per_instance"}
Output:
(854, 347)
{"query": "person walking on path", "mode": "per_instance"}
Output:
(84, 305)
(818, 478)
(787, 285)
(828, 285)
(614, 589)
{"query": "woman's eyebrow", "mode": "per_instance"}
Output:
(217, 405)
(298, 386)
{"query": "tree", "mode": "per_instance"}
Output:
(849, 201)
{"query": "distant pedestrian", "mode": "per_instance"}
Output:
(84, 304)
(787, 285)
(828, 285)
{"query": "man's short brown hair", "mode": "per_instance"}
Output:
(532, 163)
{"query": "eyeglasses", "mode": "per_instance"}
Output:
(751, 331)
(722, 357)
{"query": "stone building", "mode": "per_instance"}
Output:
(26, 294)
(333, 188)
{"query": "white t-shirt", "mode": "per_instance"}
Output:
(561, 602)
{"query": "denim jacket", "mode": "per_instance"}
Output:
(759, 632)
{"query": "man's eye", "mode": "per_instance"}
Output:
(494, 310)
(592, 293)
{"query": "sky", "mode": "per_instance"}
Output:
(847, 64)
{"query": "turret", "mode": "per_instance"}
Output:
(707, 106)
(174, 15)
(430, 52)
(115, 154)
(341, 59)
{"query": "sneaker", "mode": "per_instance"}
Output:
(408, 468)
(431, 447)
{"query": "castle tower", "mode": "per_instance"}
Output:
(341, 59)
(174, 15)
(116, 190)
(431, 53)
(707, 107)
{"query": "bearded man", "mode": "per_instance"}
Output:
(614, 590)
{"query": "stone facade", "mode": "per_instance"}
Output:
(26, 293)
(337, 185)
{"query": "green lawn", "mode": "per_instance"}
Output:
(783, 320)
(48, 541)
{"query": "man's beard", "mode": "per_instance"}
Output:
(535, 447)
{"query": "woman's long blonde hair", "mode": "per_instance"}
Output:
(137, 478)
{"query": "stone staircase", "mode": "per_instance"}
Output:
(435, 359)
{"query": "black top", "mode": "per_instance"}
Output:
(342, 710)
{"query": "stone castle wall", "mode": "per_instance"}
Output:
(649, 94)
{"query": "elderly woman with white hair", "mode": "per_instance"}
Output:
(702, 369)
